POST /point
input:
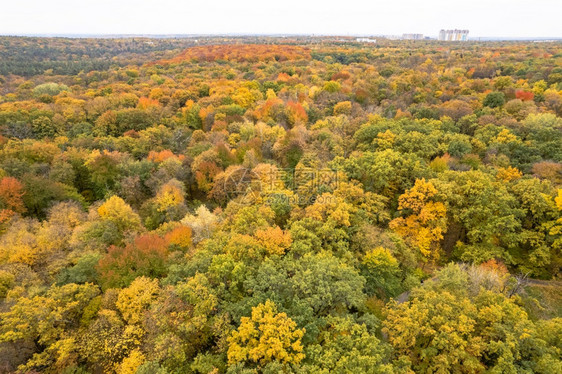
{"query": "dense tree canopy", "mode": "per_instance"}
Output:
(280, 205)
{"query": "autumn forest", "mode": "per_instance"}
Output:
(280, 205)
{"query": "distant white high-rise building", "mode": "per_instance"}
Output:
(412, 36)
(453, 35)
(366, 40)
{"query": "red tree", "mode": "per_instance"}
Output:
(524, 95)
(146, 256)
(11, 193)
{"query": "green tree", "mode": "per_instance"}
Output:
(494, 99)
(346, 346)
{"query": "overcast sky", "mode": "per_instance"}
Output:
(504, 18)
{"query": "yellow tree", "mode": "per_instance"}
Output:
(131, 363)
(424, 220)
(275, 240)
(120, 213)
(265, 337)
(435, 333)
(133, 301)
(556, 227)
(170, 195)
(508, 174)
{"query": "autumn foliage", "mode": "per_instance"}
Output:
(425, 223)
(241, 53)
(11, 193)
(146, 256)
(266, 336)
(228, 204)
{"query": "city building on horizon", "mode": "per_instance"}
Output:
(453, 35)
(366, 40)
(412, 36)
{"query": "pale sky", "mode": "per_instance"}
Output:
(503, 18)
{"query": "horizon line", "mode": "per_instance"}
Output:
(235, 34)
